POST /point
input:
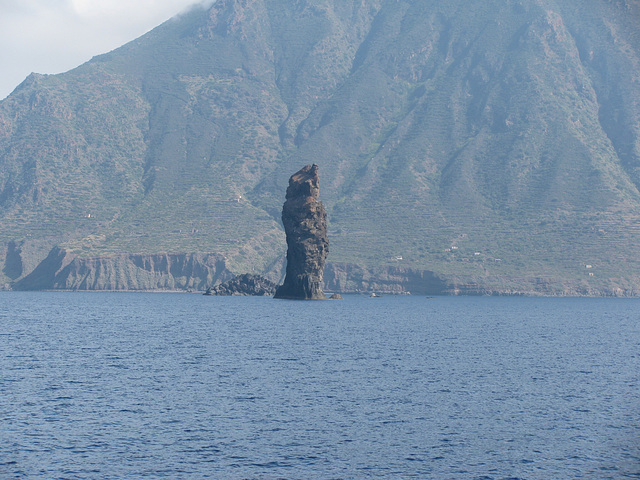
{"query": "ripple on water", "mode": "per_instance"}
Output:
(185, 386)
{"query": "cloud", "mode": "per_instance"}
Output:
(140, 9)
(53, 36)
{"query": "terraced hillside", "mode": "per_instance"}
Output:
(494, 146)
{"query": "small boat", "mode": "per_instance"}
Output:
(375, 295)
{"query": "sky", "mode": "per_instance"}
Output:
(53, 36)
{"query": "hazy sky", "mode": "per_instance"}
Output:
(53, 36)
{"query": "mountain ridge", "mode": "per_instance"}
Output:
(510, 130)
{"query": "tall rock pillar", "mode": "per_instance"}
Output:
(305, 224)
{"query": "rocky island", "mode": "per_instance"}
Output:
(305, 225)
(244, 285)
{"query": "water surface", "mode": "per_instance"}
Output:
(118, 385)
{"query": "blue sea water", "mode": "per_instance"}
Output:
(179, 386)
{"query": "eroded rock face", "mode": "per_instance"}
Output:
(305, 224)
(62, 270)
(244, 285)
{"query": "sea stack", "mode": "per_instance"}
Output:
(305, 224)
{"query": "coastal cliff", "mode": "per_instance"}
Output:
(305, 224)
(351, 278)
(62, 270)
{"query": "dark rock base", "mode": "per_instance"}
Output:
(244, 285)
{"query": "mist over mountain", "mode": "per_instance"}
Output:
(482, 147)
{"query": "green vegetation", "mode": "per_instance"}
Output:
(494, 140)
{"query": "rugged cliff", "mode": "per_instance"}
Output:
(62, 270)
(305, 224)
(349, 278)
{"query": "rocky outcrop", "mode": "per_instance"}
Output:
(244, 285)
(305, 224)
(62, 270)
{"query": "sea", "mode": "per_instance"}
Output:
(185, 386)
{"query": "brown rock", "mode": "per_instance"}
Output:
(305, 224)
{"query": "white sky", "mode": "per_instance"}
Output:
(53, 36)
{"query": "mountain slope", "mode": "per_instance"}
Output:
(496, 144)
